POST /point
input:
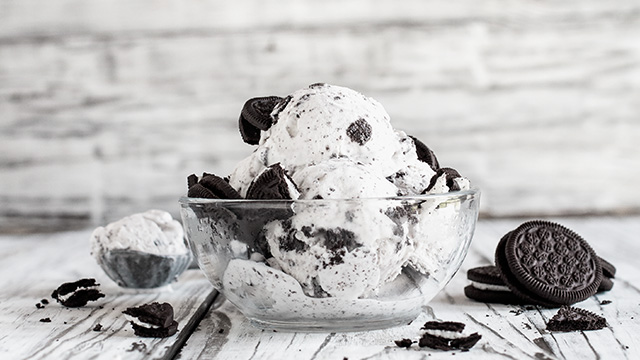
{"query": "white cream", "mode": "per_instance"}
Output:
(65, 297)
(140, 323)
(490, 287)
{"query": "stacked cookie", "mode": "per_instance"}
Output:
(152, 320)
(541, 263)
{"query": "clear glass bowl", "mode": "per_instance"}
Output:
(331, 265)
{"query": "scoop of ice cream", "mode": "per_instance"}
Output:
(153, 231)
(323, 122)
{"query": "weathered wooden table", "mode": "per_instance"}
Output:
(31, 266)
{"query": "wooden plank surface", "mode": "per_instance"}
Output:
(32, 267)
(106, 112)
(507, 331)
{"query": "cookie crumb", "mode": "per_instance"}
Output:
(98, 327)
(45, 320)
(404, 343)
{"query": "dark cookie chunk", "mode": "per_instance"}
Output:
(317, 85)
(98, 327)
(153, 320)
(359, 131)
(273, 183)
(574, 319)
(45, 320)
(451, 175)
(256, 116)
(404, 343)
(548, 264)
(452, 326)
(257, 111)
(78, 293)
(249, 133)
(425, 154)
(210, 187)
(605, 285)
(608, 270)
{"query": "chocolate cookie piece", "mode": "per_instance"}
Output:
(548, 264)
(256, 116)
(447, 335)
(608, 270)
(78, 293)
(154, 314)
(425, 154)
(249, 133)
(452, 326)
(359, 131)
(487, 286)
(273, 183)
(152, 320)
(404, 343)
(451, 175)
(210, 186)
(574, 319)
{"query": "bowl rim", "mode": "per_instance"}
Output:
(471, 192)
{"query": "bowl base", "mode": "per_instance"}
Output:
(329, 326)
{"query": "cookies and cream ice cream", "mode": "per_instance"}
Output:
(350, 235)
(144, 250)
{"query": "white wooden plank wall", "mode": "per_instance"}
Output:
(106, 106)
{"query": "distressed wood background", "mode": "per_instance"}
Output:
(107, 106)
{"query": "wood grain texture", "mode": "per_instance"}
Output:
(507, 331)
(106, 112)
(31, 268)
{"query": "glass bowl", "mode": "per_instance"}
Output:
(331, 265)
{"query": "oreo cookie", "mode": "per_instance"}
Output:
(77, 293)
(273, 183)
(425, 154)
(447, 335)
(152, 320)
(487, 286)
(256, 116)
(574, 319)
(450, 175)
(546, 264)
(210, 186)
